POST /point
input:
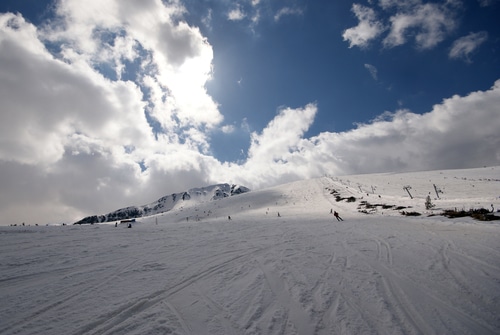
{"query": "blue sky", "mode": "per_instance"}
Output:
(128, 101)
(303, 57)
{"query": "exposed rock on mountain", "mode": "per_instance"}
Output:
(169, 202)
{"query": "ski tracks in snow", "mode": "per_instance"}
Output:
(417, 305)
(257, 274)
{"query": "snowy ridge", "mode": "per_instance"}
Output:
(169, 202)
(192, 270)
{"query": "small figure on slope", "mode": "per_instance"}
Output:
(337, 216)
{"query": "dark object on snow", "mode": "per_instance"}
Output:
(129, 225)
(480, 214)
(338, 198)
(410, 213)
(337, 216)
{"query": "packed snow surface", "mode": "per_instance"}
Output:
(194, 271)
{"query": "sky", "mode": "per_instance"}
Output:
(107, 104)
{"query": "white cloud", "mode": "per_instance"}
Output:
(281, 135)
(427, 24)
(287, 11)
(431, 22)
(46, 100)
(461, 132)
(255, 20)
(275, 154)
(367, 29)
(236, 14)
(486, 3)
(81, 135)
(446, 137)
(207, 19)
(245, 125)
(373, 71)
(399, 4)
(179, 60)
(464, 46)
(252, 12)
(228, 129)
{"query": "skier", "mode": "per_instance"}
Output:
(337, 216)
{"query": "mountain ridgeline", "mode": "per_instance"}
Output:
(168, 202)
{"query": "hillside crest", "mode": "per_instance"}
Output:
(169, 202)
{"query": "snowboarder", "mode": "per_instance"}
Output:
(337, 216)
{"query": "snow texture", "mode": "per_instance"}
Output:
(194, 271)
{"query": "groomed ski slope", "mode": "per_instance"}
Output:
(193, 271)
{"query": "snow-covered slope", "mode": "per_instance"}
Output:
(462, 189)
(383, 194)
(169, 202)
(191, 270)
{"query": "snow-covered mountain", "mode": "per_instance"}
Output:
(169, 202)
